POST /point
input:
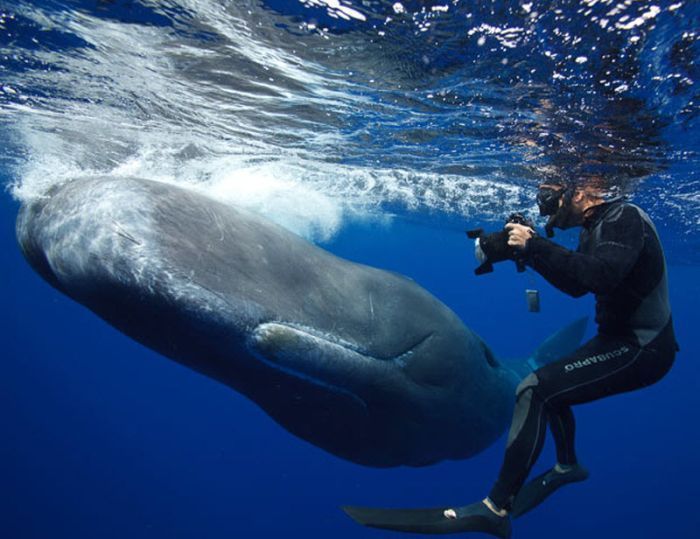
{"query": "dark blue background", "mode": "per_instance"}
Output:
(103, 438)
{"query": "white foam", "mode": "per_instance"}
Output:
(282, 198)
(133, 111)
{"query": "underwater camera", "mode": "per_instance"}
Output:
(492, 248)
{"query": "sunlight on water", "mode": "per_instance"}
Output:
(315, 112)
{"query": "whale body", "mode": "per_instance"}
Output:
(361, 362)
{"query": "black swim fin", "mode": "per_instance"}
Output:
(469, 518)
(539, 489)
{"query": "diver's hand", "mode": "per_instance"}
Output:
(518, 235)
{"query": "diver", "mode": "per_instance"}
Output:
(619, 259)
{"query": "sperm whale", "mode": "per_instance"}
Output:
(359, 361)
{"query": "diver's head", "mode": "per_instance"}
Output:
(566, 204)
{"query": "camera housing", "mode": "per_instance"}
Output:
(495, 245)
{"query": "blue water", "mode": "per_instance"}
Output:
(380, 136)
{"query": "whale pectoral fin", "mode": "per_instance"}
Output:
(328, 385)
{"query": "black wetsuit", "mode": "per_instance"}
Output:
(621, 261)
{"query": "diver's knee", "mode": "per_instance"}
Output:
(525, 399)
(529, 382)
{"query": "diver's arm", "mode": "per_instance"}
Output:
(620, 242)
(554, 263)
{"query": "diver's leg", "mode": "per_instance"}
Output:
(599, 368)
(546, 392)
(563, 427)
(602, 367)
(566, 470)
(525, 441)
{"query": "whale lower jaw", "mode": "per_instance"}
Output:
(316, 355)
(306, 354)
(323, 358)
